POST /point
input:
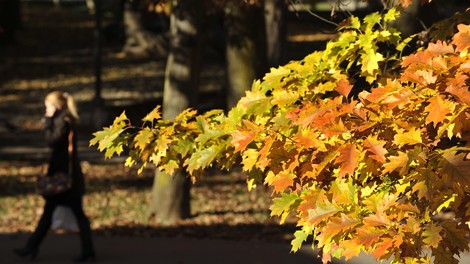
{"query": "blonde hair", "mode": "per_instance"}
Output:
(64, 101)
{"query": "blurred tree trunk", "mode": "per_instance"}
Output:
(275, 19)
(245, 53)
(171, 193)
(138, 41)
(10, 21)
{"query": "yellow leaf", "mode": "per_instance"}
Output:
(154, 114)
(411, 137)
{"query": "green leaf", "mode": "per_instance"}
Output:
(202, 158)
(208, 135)
(300, 237)
(323, 210)
(183, 146)
(283, 206)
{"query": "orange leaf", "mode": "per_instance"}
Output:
(382, 248)
(335, 129)
(367, 236)
(397, 162)
(348, 159)
(351, 249)
(377, 219)
(244, 136)
(376, 147)
(437, 109)
(281, 180)
(440, 47)
(462, 38)
(457, 87)
(343, 87)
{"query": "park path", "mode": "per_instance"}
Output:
(62, 248)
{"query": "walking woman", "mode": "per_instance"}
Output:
(59, 120)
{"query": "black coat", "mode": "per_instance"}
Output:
(57, 131)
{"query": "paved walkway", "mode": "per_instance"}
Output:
(62, 248)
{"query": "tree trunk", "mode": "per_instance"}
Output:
(10, 21)
(140, 42)
(244, 53)
(171, 193)
(275, 20)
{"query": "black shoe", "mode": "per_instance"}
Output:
(26, 251)
(85, 257)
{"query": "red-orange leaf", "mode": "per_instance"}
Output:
(383, 248)
(244, 135)
(437, 109)
(367, 236)
(343, 87)
(348, 159)
(376, 147)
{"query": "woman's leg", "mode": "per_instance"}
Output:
(84, 224)
(43, 225)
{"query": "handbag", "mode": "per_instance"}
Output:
(59, 182)
(53, 184)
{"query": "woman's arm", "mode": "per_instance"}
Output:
(57, 130)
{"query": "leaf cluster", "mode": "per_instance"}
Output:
(373, 171)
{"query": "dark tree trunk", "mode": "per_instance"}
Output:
(10, 21)
(171, 193)
(245, 53)
(275, 20)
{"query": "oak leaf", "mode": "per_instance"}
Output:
(376, 147)
(343, 87)
(281, 180)
(323, 210)
(351, 248)
(462, 38)
(244, 136)
(455, 166)
(348, 159)
(411, 137)
(437, 109)
(383, 248)
(432, 236)
(282, 206)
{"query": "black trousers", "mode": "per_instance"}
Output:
(75, 203)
